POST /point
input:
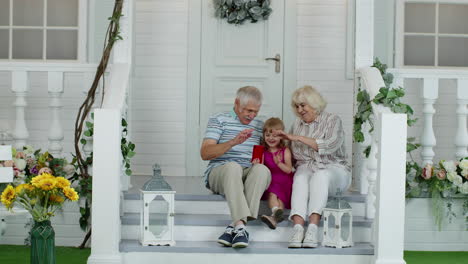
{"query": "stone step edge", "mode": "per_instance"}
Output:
(349, 197)
(224, 220)
(133, 245)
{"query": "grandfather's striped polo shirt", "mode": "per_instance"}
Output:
(225, 126)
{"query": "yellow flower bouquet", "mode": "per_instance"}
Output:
(41, 197)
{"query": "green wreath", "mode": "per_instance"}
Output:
(238, 11)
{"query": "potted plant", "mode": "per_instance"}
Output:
(41, 197)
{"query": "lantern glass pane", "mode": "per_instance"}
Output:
(158, 216)
(331, 227)
(345, 219)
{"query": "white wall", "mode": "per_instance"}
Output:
(158, 97)
(421, 233)
(159, 92)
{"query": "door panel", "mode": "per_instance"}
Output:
(234, 56)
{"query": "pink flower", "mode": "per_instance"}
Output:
(45, 170)
(20, 155)
(427, 172)
(442, 174)
(8, 163)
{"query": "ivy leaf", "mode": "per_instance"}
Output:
(89, 124)
(256, 10)
(83, 141)
(358, 136)
(130, 154)
(128, 172)
(87, 133)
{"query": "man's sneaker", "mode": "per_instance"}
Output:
(311, 240)
(269, 221)
(241, 238)
(226, 238)
(278, 215)
(295, 241)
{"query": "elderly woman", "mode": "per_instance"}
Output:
(317, 144)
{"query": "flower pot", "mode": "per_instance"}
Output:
(42, 243)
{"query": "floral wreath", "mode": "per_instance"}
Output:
(237, 11)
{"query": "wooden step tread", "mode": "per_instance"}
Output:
(253, 248)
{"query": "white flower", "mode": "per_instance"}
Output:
(449, 166)
(20, 164)
(458, 181)
(69, 169)
(28, 150)
(464, 164)
(451, 176)
(464, 188)
(465, 173)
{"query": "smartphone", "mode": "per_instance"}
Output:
(257, 153)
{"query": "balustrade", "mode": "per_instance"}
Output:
(429, 96)
(55, 87)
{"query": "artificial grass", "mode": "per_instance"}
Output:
(432, 257)
(20, 254)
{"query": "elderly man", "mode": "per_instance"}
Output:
(228, 144)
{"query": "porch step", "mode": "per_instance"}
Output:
(208, 227)
(257, 252)
(216, 204)
(253, 248)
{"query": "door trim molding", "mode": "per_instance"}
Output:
(192, 124)
(192, 128)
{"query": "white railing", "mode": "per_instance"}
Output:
(108, 176)
(20, 86)
(386, 168)
(430, 94)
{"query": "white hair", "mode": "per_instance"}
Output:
(308, 95)
(248, 94)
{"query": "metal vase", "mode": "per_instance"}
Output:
(42, 243)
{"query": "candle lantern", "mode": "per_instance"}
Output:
(157, 212)
(337, 223)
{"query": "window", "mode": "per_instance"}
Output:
(434, 33)
(42, 29)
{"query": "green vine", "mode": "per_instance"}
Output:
(388, 97)
(128, 151)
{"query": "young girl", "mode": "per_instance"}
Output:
(277, 157)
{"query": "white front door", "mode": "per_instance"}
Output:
(236, 55)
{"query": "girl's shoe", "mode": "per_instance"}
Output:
(278, 215)
(269, 221)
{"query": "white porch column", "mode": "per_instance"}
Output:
(461, 137)
(364, 44)
(389, 224)
(20, 86)
(55, 88)
(372, 177)
(107, 162)
(428, 140)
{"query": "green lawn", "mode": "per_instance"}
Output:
(431, 257)
(20, 254)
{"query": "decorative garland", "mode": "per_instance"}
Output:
(238, 11)
(430, 181)
(388, 97)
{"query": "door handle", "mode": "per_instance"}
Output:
(277, 60)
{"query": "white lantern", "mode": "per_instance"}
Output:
(157, 213)
(337, 223)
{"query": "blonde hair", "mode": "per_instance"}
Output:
(248, 94)
(269, 126)
(308, 95)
